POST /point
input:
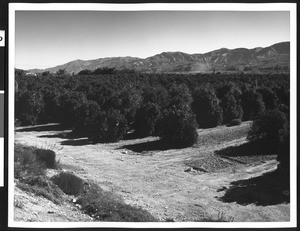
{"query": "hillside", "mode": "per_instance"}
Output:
(241, 59)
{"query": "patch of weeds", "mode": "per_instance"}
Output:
(220, 218)
(105, 206)
(31, 174)
(99, 204)
(68, 183)
(41, 186)
(46, 156)
(18, 204)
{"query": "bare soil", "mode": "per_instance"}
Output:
(177, 184)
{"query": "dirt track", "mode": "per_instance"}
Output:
(161, 181)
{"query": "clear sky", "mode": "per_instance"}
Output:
(49, 38)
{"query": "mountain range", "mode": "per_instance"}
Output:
(241, 59)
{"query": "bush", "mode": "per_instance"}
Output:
(29, 105)
(129, 100)
(229, 96)
(284, 155)
(68, 183)
(105, 206)
(31, 175)
(68, 103)
(269, 98)
(51, 112)
(234, 122)
(157, 95)
(253, 105)
(86, 117)
(272, 129)
(145, 119)
(231, 108)
(206, 107)
(41, 186)
(46, 156)
(110, 126)
(178, 128)
(179, 97)
(24, 156)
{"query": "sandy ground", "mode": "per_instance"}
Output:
(178, 184)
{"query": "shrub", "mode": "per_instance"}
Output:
(229, 96)
(68, 183)
(110, 126)
(253, 105)
(25, 162)
(284, 155)
(86, 117)
(129, 100)
(157, 95)
(24, 156)
(269, 98)
(68, 103)
(29, 105)
(85, 72)
(51, 112)
(179, 97)
(206, 107)
(283, 94)
(178, 128)
(41, 186)
(272, 129)
(145, 119)
(105, 206)
(31, 175)
(46, 156)
(234, 122)
(231, 108)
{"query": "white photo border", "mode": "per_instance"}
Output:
(291, 7)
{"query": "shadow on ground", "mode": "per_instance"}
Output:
(41, 128)
(156, 145)
(246, 149)
(271, 188)
(63, 135)
(132, 136)
(79, 142)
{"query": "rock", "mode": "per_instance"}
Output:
(170, 220)
(190, 169)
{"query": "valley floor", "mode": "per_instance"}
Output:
(176, 184)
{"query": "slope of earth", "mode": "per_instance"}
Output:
(31, 208)
(178, 184)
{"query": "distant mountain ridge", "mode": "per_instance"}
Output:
(239, 59)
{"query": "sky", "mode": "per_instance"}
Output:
(49, 38)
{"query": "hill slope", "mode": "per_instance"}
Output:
(240, 59)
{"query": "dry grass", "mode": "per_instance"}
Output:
(30, 173)
(105, 206)
(68, 183)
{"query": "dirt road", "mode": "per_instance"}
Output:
(178, 184)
